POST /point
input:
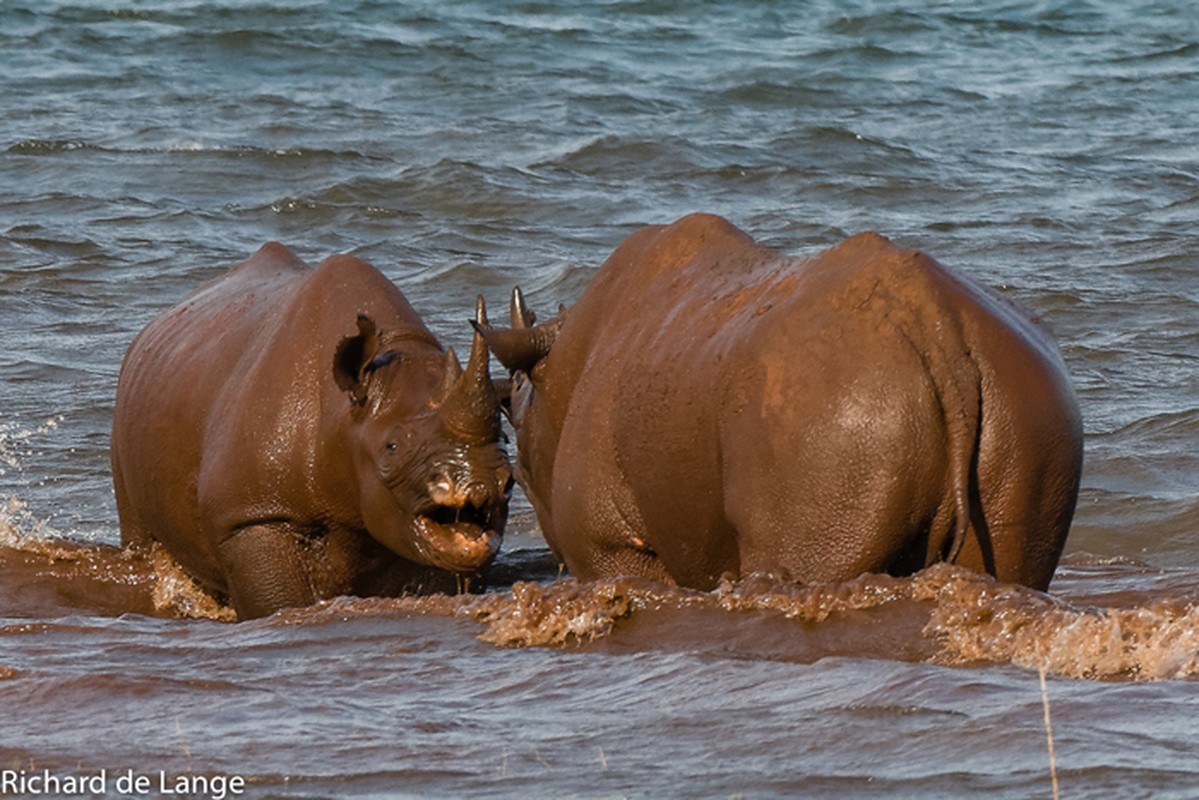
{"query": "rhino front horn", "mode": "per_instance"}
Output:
(471, 407)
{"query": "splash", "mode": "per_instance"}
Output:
(45, 574)
(813, 602)
(569, 612)
(20, 529)
(176, 594)
(963, 617)
(14, 442)
(976, 619)
(564, 612)
(8, 534)
(943, 614)
(42, 574)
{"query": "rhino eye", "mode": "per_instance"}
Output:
(390, 447)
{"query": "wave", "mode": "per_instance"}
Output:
(944, 614)
(188, 146)
(971, 619)
(44, 575)
(610, 155)
(45, 146)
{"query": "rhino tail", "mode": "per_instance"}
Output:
(963, 459)
(960, 388)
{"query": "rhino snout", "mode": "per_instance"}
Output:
(461, 525)
(442, 491)
(446, 490)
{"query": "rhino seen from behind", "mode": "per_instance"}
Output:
(712, 407)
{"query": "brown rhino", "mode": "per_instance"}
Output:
(709, 406)
(290, 434)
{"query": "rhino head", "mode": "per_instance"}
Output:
(433, 479)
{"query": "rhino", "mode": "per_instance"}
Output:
(712, 408)
(290, 434)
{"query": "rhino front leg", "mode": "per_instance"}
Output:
(265, 570)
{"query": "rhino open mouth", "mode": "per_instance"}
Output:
(457, 539)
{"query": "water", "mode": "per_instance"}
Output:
(1048, 148)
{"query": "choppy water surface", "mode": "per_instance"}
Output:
(1049, 148)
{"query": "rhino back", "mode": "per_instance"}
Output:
(171, 374)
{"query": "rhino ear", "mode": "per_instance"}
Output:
(353, 358)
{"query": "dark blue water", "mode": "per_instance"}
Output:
(1050, 149)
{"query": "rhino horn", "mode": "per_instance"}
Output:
(524, 344)
(451, 375)
(522, 317)
(470, 409)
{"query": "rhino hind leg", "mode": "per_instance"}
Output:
(265, 570)
(134, 533)
(630, 561)
(598, 528)
(606, 543)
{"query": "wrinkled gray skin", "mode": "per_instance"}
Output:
(291, 434)
(712, 407)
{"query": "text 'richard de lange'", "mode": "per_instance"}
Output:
(119, 783)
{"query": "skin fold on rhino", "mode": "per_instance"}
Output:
(713, 407)
(290, 434)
